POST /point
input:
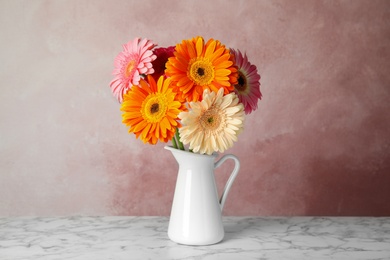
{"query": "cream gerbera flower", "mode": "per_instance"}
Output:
(212, 125)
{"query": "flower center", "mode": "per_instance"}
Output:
(201, 71)
(131, 66)
(211, 119)
(242, 82)
(154, 107)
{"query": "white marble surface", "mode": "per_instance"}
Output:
(146, 238)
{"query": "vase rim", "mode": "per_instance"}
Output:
(172, 149)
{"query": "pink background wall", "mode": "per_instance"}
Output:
(319, 144)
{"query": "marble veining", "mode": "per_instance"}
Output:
(114, 237)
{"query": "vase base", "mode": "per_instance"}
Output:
(197, 239)
(189, 242)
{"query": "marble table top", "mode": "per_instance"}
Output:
(146, 238)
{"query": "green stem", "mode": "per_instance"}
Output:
(180, 144)
(174, 144)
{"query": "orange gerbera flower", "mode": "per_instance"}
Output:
(151, 110)
(197, 66)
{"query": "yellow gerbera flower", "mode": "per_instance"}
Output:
(151, 110)
(212, 124)
(197, 66)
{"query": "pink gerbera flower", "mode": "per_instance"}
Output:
(248, 86)
(162, 57)
(135, 60)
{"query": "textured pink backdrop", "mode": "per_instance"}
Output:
(319, 144)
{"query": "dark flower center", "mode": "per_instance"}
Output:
(241, 86)
(154, 108)
(200, 71)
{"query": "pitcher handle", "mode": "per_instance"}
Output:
(231, 178)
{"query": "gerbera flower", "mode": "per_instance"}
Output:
(248, 83)
(151, 110)
(135, 59)
(212, 124)
(162, 57)
(197, 66)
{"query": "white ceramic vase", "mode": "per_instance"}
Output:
(196, 215)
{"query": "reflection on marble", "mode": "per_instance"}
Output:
(146, 238)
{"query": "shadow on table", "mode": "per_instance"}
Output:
(246, 227)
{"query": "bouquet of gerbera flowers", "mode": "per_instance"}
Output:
(195, 93)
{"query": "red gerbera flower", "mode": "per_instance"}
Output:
(159, 63)
(248, 85)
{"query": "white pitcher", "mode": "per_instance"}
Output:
(196, 215)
